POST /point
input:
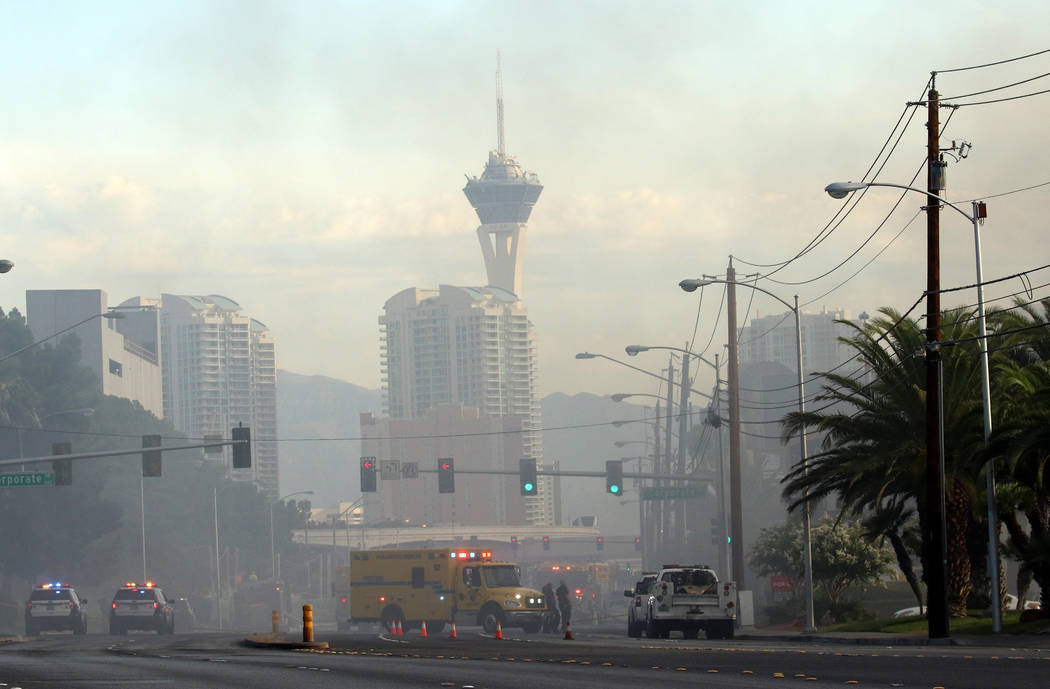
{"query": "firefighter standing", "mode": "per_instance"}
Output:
(551, 620)
(564, 603)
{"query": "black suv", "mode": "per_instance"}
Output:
(55, 607)
(141, 607)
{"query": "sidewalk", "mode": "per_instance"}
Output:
(883, 639)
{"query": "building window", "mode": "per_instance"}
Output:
(116, 368)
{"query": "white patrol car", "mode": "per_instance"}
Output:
(639, 598)
(141, 606)
(55, 606)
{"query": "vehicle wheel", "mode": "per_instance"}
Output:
(32, 631)
(115, 629)
(490, 617)
(652, 629)
(690, 633)
(634, 629)
(80, 628)
(532, 627)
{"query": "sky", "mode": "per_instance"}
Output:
(307, 160)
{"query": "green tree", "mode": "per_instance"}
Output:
(844, 560)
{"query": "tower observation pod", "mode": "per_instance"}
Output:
(503, 198)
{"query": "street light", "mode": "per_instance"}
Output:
(5, 265)
(111, 315)
(273, 547)
(591, 355)
(839, 190)
(738, 546)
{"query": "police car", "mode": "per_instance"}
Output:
(141, 606)
(55, 607)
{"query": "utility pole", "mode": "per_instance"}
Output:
(652, 547)
(936, 565)
(665, 524)
(683, 427)
(736, 517)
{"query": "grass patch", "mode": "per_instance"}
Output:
(978, 623)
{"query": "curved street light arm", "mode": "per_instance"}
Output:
(844, 188)
(591, 355)
(633, 350)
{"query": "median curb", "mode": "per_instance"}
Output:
(280, 642)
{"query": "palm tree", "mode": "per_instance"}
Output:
(873, 455)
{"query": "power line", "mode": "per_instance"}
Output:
(991, 64)
(997, 88)
(1002, 100)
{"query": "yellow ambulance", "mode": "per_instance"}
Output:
(439, 585)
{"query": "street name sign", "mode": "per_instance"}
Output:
(671, 492)
(21, 479)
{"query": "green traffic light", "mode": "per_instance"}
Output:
(614, 489)
(529, 486)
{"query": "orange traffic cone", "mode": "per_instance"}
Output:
(452, 634)
(400, 631)
(568, 632)
(499, 631)
(423, 629)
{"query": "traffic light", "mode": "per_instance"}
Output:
(368, 474)
(614, 477)
(242, 451)
(637, 544)
(599, 543)
(514, 543)
(63, 468)
(546, 542)
(527, 472)
(446, 475)
(151, 462)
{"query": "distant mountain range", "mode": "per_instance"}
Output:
(311, 410)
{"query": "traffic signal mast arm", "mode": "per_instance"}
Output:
(590, 474)
(116, 453)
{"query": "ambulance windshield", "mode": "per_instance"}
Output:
(501, 575)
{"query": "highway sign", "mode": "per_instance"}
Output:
(21, 479)
(671, 492)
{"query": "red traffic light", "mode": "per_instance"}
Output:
(446, 466)
(367, 465)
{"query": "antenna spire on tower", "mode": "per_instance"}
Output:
(500, 144)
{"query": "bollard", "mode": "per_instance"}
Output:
(308, 623)
(275, 620)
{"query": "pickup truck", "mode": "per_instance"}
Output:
(689, 598)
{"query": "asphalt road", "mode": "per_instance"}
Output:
(595, 659)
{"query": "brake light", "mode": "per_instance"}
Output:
(343, 600)
(114, 604)
(730, 604)
(29, 605)
(71, 604)
(156, 605)
(579, 591)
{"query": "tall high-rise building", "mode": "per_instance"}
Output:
(219, 370)
(475, 346)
